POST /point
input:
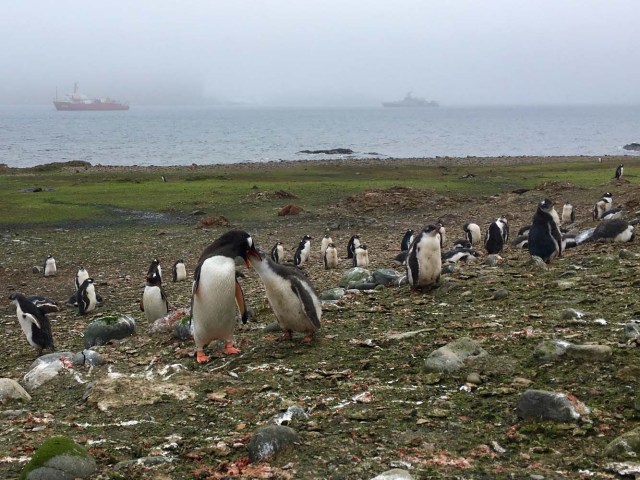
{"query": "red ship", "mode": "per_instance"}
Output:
(79, 102)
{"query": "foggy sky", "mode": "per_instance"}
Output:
(328, 52)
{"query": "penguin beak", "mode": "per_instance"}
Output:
(252, 253)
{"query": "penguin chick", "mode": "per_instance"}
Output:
(472, 231)
(496, 236)
(216, 292)
(277, 252)
(86, 297)
(326, 240)
(568, 214)
(424, 261)
(179, 271)
(291, 296)
(303, 251)
(34, 323)
(354, 241)
(545, 239)
(361, 256)
(50, 269)
(81, 276)
(330, 257)
(154, 301)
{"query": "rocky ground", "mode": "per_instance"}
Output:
(361, 397)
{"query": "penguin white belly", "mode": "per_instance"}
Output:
(214, 304)
(332, 258)
(155, 306)
(624, 236)
(50, 268)
(286, 305)
(181, 272)
(27, 326)
(430, 267)
(362, 258)
(91, 295)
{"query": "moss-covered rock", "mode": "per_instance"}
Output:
(59, 458)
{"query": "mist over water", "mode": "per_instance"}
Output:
(34, 135)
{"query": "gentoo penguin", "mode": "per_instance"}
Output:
(361, 256)
(277, 252)
(34, 323)
(216, 292)
(179, 271)
(401, 258)
(616, 230)
(424, 262)
(407, 238)
(461, 243)
(46, 305)
(545, 239)
(155, 267)
(568, 214)
(81, 276)
(354, 241)
(302, 252)
(154, 301)
(612, 214)
(291, 296)
(50, 269)
(443, 234)
(326, 240)
(602, 206)
(472, 231)
(497, 235)
(524, 230)
(521, 241)
(619, 172)
(460, 255)
(330, 257)
(86, 297)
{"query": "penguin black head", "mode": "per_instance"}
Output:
(331, 245)
(432, 230)
(153, 279)
(232, 244)
(545, 205)
(607, 195)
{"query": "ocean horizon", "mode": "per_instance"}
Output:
(186, 135)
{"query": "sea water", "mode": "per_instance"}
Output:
(172, 135)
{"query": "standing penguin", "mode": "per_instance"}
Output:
(472, 231)
(424, 262)
(81, 276)
(619, 172)
(292, 298)
(407, 238)
(216, 292)
(50, 269)
(568, 214)
(354, 241)
(361, 256)
(330, 257)
(155, 267)
(277, 252)
(497, 235)
(302, 252)
(154, 301)
(545, 239)
(179, 271)
(86, 297)
(34, 323)
(326, 240)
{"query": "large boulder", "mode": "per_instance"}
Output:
(110, 327)
(59, 458)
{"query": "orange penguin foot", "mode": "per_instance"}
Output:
(229, 349)
(288, 335)
(201, 357)
(308, 338)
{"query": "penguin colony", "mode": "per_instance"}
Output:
(216, 294)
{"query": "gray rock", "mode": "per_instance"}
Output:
(292, 414)
(362, 286)
(556, 406)
(144, 461)
(626, 446)
(628, 255)
(448, 268)
(536, 263)
(589, 353)
(268, 442)
(452, 356)
(491, 260)
(500, 294)
(107, 328)
(573, 314)
(59, 458)
(182, 329)
(12, 390)
(394, 474)
(42, 371)
(632, 330)
(386, 277)
(332, 294)
(354, 275)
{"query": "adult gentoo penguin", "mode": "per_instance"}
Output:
(303, 251)
(179, 271)
(216, 291)
(361, 256)
(545, 239)
(497, 235)
(86, 297)
(155, 267)
(568, 214)
(34, 323)
(50, 268)
(292, 298)
(472, 231)
(330, 257)
(277, 252)
(326, 240)
(619, 172)
(407, 238)
(354, 241)
(424, 262)
(616, 230)
(154, 301)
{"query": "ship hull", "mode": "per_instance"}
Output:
(88, 107)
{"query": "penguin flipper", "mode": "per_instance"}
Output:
(306, 300)
(32, 319)
(242, 306)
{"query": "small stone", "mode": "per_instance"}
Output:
(632, 330)
(625, 447)
(452, 356)
(394, 474)
(543, 405)
(491, 260)
(332, 294)
(573, 314)
(474, 378)
(12, 390)
(386, 277)
(354, 275)
(536, 263)
(628, 255)
(500, 294)
(268, 442)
